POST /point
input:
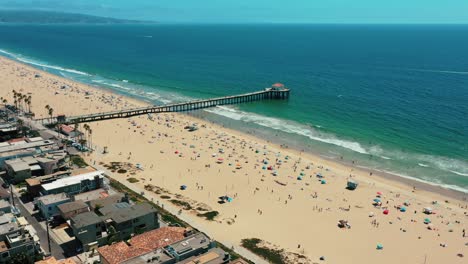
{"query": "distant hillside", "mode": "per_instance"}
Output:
(46, 17)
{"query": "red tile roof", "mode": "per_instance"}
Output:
(67, 129)
(141, 244)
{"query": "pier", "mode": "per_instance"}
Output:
(276, 92)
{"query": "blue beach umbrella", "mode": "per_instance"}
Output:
(264, 168)
(379, 246)
(299, 178)
(403, 209)
(377, 200)
(323, 181)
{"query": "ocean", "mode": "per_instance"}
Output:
(392, 98)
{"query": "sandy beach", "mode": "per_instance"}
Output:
(290, 199)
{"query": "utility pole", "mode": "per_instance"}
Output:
(48, 235)
(12, 196)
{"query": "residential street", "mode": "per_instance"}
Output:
(57, 251)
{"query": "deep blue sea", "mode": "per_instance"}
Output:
(390, 97)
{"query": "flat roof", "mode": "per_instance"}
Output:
(193, 242)
(85, 219)
(91, 195)
(122, 212)
(213, 256)
(72, 180)
(17, 165)
(111, 199)
(24, 145)
(72, 206)
(6, 218)
(8, 227)
(53, 198)
(4, 203)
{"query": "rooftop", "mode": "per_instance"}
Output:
(72, 180)
(106, 201)
(122, 212)
(53, 260)
(141, 244)
(6, 218)
(53, 198)
(51, 177)
(91, 195)
(193, 242)
(13, 146)
(72, 206)
(85, 219)
(4, 204)
(9, 227)
(213, 256)
(17, 165)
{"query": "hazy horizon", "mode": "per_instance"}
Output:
(261, 11)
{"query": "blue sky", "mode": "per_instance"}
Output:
(262, 11)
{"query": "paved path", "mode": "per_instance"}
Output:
(57, 251)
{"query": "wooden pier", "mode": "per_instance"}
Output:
(277, 91)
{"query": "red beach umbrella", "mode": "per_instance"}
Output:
(385, 212)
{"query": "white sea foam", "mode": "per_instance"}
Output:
(286, 126)
(423, 165)
(442, 71)
(459, 173)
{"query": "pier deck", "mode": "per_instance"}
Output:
(267, 94)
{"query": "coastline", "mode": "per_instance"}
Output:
(407, 180)
(396, 183)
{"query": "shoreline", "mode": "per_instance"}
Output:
(291, 213)
(408, 181)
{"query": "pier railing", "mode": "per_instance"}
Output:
(267, 94)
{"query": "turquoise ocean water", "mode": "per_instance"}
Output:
(392, 98)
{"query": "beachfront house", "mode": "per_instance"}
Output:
(152, 241)
(75, 184)
(167, 245)
(114, 223)
(89, 230)
(130, 219)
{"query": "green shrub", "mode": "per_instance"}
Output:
(210, 216)
(132, 180)
(271, 255)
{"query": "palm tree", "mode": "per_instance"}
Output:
(15, 95)
(51, 112)
(86, 128)
(90, 131)
(29, 103)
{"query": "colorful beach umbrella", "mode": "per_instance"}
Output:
(377, 200)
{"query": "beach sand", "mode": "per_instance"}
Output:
(299, 216)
